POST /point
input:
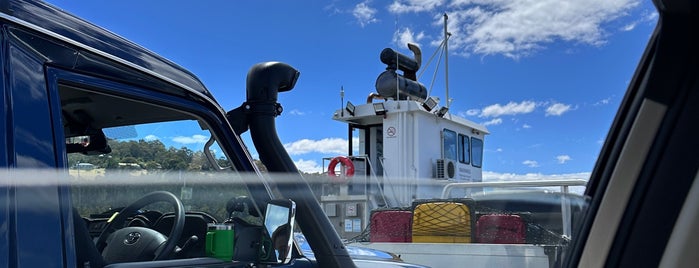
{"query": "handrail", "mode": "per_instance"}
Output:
(564, 184)
(540, 183)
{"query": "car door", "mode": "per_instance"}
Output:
(30, 215)
(643, 188)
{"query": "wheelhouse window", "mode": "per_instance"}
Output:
(464, 149)
(477, 152)
(449, 146)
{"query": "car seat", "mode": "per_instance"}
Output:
(86, 253)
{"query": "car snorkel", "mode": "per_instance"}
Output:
(264, 82)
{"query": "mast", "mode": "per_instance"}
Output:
(446, 59)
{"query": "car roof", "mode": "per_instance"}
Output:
(59, 24)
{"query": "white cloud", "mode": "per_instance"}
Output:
(530, 163)
(190, 140)
(151, 138)
(495, 176)
(325, 146)
(516, 28)
(629, 27)
(493, 122)
(364, 14)
(652, 16)
(526, 126)
(473, 112)
(562, 159)
(332, 9)
(405, 6)
(308, 166)
(402, 37)
(649, 16)
(511, 108)
(296, 112)
(557, 109)
(603, 101)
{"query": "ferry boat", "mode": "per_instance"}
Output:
(416, 186)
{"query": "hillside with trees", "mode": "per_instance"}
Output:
(149, 155)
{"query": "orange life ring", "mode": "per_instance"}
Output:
(349, 169)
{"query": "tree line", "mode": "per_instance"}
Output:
(149, 155)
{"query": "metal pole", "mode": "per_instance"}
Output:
(367, 212)
(446, 58)
(349, 139)
(565, 212)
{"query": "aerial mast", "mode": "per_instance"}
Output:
(446, 59)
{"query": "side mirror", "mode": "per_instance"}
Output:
(278, 232)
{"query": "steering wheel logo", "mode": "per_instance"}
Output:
(132, 238)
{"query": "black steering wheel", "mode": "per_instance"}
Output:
(140, 243)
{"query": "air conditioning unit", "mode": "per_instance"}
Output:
(444, 169)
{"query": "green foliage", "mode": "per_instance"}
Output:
(149, 155)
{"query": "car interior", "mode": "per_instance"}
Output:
(100, 128)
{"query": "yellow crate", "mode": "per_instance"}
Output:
(441, 222)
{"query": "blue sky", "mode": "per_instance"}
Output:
(545, 76)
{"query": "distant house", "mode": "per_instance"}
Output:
(129, 166)
(84, 166)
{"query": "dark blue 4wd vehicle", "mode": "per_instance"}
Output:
(98, 133)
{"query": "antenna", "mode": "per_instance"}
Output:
(442, 50)
(446, 58)
(342, 100)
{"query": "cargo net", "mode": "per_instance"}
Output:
(536, 231)
(455, 221)
(362, 237)
(441, 222)
(388, 225)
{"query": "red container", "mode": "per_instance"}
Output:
(501, 229)
(390, 226)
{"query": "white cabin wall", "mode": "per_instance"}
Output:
(399, 173)
(430, 144)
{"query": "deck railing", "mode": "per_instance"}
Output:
(564, 184)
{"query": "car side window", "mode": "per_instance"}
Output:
(120, 146)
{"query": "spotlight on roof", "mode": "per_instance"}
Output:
(350, 108)
(430, 103)
(379, 109)
(442, 111)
